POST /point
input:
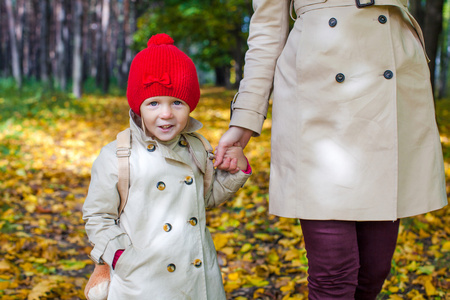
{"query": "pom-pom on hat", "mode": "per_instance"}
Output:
(162, 69)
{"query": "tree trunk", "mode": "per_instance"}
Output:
(87, 43)
(2, 45)
(417, 9)
(106, 10)
(25, 39)
(443, 74)
(432, 30)
(43, 43)
(77, 45)
(125, 29)
(98, 44)
(223, 76)
(14, 48)
(239, 58)
(20, 22)
(60, 46)
(220, 76)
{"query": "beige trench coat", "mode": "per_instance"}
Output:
(169, 252)
(354, 135)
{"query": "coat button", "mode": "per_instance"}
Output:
(193, 221)
(171, 268)
(340, 77)
(161, 185)
(167, 227)
(388, 74)
(197, 263)
(151, 148)
(332, 22)
(382, 19)
(188, 180)
(182, 143)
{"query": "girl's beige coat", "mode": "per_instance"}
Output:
(169, 253)
(354, 135)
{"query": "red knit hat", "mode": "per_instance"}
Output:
(162, 70)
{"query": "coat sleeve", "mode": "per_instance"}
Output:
(224, 186)
(100, 209)
(269, 28)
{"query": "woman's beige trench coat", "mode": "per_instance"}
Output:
(169, 252)
(354, 135)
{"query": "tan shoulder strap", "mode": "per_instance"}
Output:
(123, 152)
(209, 170)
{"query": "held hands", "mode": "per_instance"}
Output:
(230, 139)
(234, 158)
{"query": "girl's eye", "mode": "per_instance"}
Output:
(177, 102)
(154, 103)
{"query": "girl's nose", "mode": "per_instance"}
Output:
(166, 112)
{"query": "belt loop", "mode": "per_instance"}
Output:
(232, 105)
(291, 6)
(364, 4)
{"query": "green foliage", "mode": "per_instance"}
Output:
(208, 29)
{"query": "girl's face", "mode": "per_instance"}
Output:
(164, 117)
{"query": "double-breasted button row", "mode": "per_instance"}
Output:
(388, 74)
(333, 21)
(168, 227)
(172, 268)
(162, 186)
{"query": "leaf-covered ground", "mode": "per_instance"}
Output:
(47, 145)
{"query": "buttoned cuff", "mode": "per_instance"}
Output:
(247, 119)
(233, 182)
(105, 249)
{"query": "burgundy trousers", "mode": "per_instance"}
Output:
(347, 259)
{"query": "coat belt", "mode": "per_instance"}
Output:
(303, 6)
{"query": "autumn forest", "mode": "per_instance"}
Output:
(63, 69)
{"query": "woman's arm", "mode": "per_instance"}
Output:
(269, 28)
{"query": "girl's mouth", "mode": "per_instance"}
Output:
(166, 127)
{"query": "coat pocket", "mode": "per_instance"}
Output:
(125, 262)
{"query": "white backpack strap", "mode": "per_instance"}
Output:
(123, 152)
(209, 170)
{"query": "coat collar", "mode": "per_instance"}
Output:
(136, 128)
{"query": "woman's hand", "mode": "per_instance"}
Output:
(232, 136)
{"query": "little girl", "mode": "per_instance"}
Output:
(161, 248)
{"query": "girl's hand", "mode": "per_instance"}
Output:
(236, 158)
(232, 136)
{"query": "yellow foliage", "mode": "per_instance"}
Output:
(395, 297)
(246, 247)
(220, 240)
(446, 246)
(289, 287)
(45, 166)
(41, 289)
